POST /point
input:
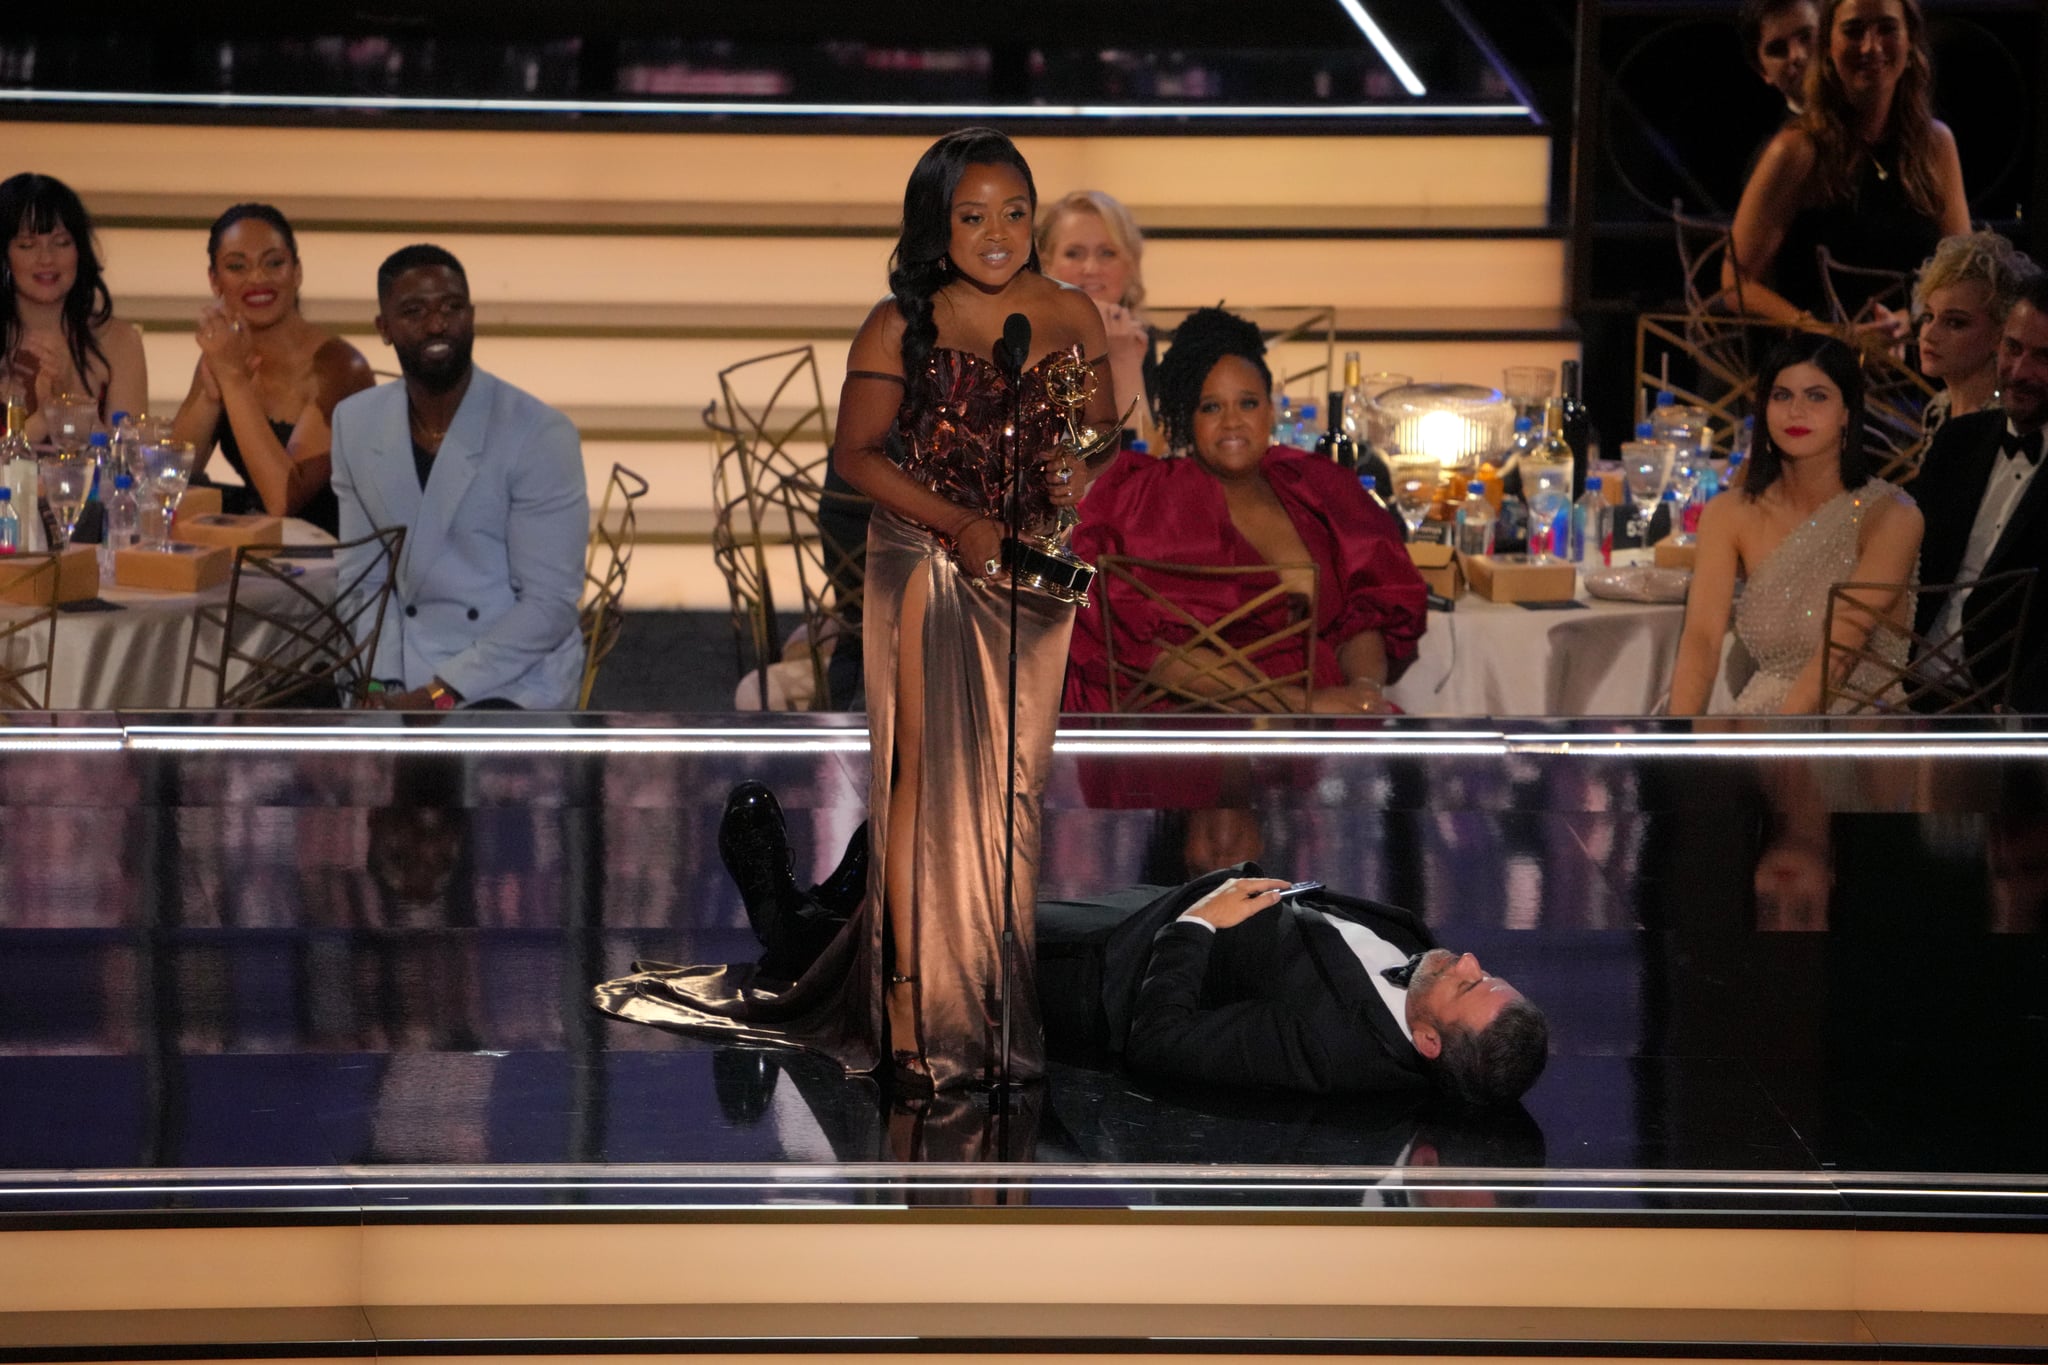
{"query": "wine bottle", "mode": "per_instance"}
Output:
(1333, 445)
(1578, 423)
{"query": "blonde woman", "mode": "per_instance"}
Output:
(1091, 241)
(1960, 300)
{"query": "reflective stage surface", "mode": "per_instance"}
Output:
(1785, 971)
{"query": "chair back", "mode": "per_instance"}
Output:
(28, 642)
(1891, 289)
(281, 641)
(776, 512)
(1943, 674)
(604, 572)
(1212, 668)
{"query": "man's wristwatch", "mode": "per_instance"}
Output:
(444, 697)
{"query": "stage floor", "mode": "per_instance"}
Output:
(348, 969)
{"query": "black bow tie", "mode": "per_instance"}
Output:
(2026, 444)
(1401, 975)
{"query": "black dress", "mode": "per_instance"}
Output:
(323, 509)
(1875, 227)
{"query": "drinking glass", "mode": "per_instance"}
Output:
(66, 479)
(166, 467)
(1415, 482)
(71, 419)
(1527, 386)
(1687, 465)
(1547, 484)
(1646, 466)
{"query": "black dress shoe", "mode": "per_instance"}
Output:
(841, 893)
(753, 843)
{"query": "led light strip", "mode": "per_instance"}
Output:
(736, 108)
(1403, 72)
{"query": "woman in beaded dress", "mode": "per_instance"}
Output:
(919, 969)
(1808, 515)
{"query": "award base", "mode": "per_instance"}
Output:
(1050, 569)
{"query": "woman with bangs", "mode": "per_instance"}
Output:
(58, 333)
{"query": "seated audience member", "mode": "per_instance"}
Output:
(1778, 38)
(488, 482)
(1865, 171)
(1961, 297)
(267, 381)
(58, 333)
(1987, 509)
(1091, 241)
(1218, 980)
(1808, 515)
(1236, 501)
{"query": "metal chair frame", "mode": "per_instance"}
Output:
(1147, 690)
(16, 692)
(1940, 676)
(319, 642)
(613, 535)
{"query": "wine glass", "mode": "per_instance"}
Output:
(66, 480)
(71, 419)
(1415, 481)
(1547, 484)
(1646, 468)
(1688, 463)
(166, 466)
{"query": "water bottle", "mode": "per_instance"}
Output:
(10, 524)
(1526, 440)
(1744, 439)
(1475, 520)
(92, 518)
(1689, 519)
(1283, 420)
(1592, 538)
(124, 523)
(1307, 431)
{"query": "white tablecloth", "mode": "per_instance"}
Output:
(134, 658)
(1499, 659)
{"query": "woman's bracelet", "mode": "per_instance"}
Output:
(959, 528)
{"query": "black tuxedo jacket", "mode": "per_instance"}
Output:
(1951, 484)
(1276, 1001)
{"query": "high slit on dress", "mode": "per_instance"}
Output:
(951, 425)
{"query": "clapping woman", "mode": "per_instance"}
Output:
(1090, 241)
(58, 332)
(267, 380)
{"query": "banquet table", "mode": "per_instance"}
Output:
(1596, 658)
(131, 653)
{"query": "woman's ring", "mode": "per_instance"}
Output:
(991, 568)
(1066, 474)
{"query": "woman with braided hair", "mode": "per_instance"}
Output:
(1234, 501)
(915, 978)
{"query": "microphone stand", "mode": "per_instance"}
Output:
(1014, 365)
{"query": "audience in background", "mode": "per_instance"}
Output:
(1778, 38)
(267, 380)
(488, 482)
(1091, 241)
(1865, 171)
(58, 332)
(1807, 516)
(1961, 299)
(1987, 511)
(1236, 501)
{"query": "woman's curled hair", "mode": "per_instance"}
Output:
(1204, 337)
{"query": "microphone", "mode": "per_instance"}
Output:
(1015, 345)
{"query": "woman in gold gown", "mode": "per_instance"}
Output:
(918, 976)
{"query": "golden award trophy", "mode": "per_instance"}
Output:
(1042, 561)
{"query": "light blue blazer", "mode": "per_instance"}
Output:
(492, 566)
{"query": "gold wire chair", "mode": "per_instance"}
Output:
(612, 538)
(1944, 673)
(1205, 668)
(283, 642)
(25, 669)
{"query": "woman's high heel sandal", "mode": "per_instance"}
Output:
(909, 1073)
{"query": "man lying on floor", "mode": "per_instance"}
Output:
(1220, 979)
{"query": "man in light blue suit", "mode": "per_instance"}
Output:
(488, 482)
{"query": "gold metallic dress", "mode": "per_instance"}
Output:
(951, 425)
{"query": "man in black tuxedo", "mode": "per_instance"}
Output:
(1222, 980)
(1987, 512)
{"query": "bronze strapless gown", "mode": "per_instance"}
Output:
(951, 424)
